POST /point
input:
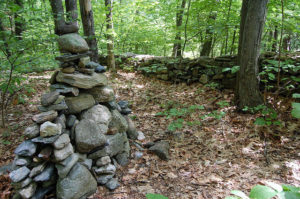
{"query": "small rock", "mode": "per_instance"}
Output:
(92, 64)
(72, 133)
(64, 89)
(123, 104)
(138, 155)
(72, 43)
(37, 170)
(62, 154)
(19, 174)
(140, 136)
(22, 184)
(71, 120)
(26, 148)
(22, 161)
(118, 121)
(60, 99)
(71, 57)
(99, 114)
(28, 191)
(32, 131)
(126, 111)
(112, 184)
(103, 161)
(161, 149)
(49, 98)
(41, 192)
(107, 169)
(80, 103)
(102, 93)
(61, 120)
(100, 69)
(47, 140)
(103, 179)
(62, 141)
(45, 116)
(64, 167)
(54, 107)
(112, 105)
(45, 175)
(49, 129)
(122, 158)
(86, 71)
(204, 79)
(45, 153)
(68, 70)
(131, 131)
(84, 61)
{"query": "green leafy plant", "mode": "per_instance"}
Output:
(233, 69)
(268, 115)
(268, 192)
(155, 196)
(296, 106)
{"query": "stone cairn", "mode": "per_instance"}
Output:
(81, 134)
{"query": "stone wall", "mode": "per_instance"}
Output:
(80, 135)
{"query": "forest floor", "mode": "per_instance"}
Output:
(208, 158)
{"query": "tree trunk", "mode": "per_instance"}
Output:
(227, 29)
(274, 45)
(88, 27)
(109, 35)
(19, 20)
(251, 28)
(185, 27)
(179, 18)
(61, 27)
(208, 37)
(72, 12)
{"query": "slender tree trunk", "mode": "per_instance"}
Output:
(61, 27)
(247, 91)
(185, 27)
(88, 27)
(274, 45)
(227, 29)
(110, 35)
(179, 18)
(19, 21)
(208, 38)
(233, 41)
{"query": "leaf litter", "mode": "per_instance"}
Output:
(207, 160)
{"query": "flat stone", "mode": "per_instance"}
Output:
(64, 89)
(161, 149)
(100, 69)
(60, 99)
(49, 129)
(99, 114)
(122, 158)
(84, 61)
(123, 104)
(88, 163)
(112, 184)
(22, 161)
(89, 135)
(107, 169)
(103, 161)
(116, 144)
(71, 120)
(45, 175)
(62, 141)
(64, 167)
(32, 131)
(131, 131)
(78, 184)
(126, 111)
(52, 79)
(46, 140)
(28, 191)
(80, 80)
(71, 57)
(46, 153)
(49, 98)
(69, 70)
(141, 136)
(44, 117)
(22, 184)
(26, 148)
(72, 43)
(61, 120)
(92, 64)
(102, 93)
(37, 170)
(86, 71)
(118, 121)
(41, 192)
(54, 107)
(19, 174)
(80, 103)
(62, 154)
(103, 179)
(72, 133)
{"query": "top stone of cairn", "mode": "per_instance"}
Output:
(72, 43)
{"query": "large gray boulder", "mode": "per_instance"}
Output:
(99, 114)
(80, 80)
(80, 103)
(89, 135)
(78, 184)
(102, 93)
(118, 121)
(73, 43)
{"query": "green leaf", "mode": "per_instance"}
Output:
(226, 69)
(271, 76)
(275, 186)
(296, 95)
(262, 192)
(260, 121)
(290, 188)
(155, 196)
(239, 194)
(291, 195)
(235, 69)
(296, 110)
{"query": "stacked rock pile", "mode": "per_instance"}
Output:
(81, 134)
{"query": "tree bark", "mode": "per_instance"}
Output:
(251, 28)
(179, 17)
(19, 20)
(109, 35)
(206, 49)
(61, 27)
(88, 27)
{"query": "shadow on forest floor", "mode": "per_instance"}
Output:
(209, 156)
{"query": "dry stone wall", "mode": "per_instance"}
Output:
(80, 135)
